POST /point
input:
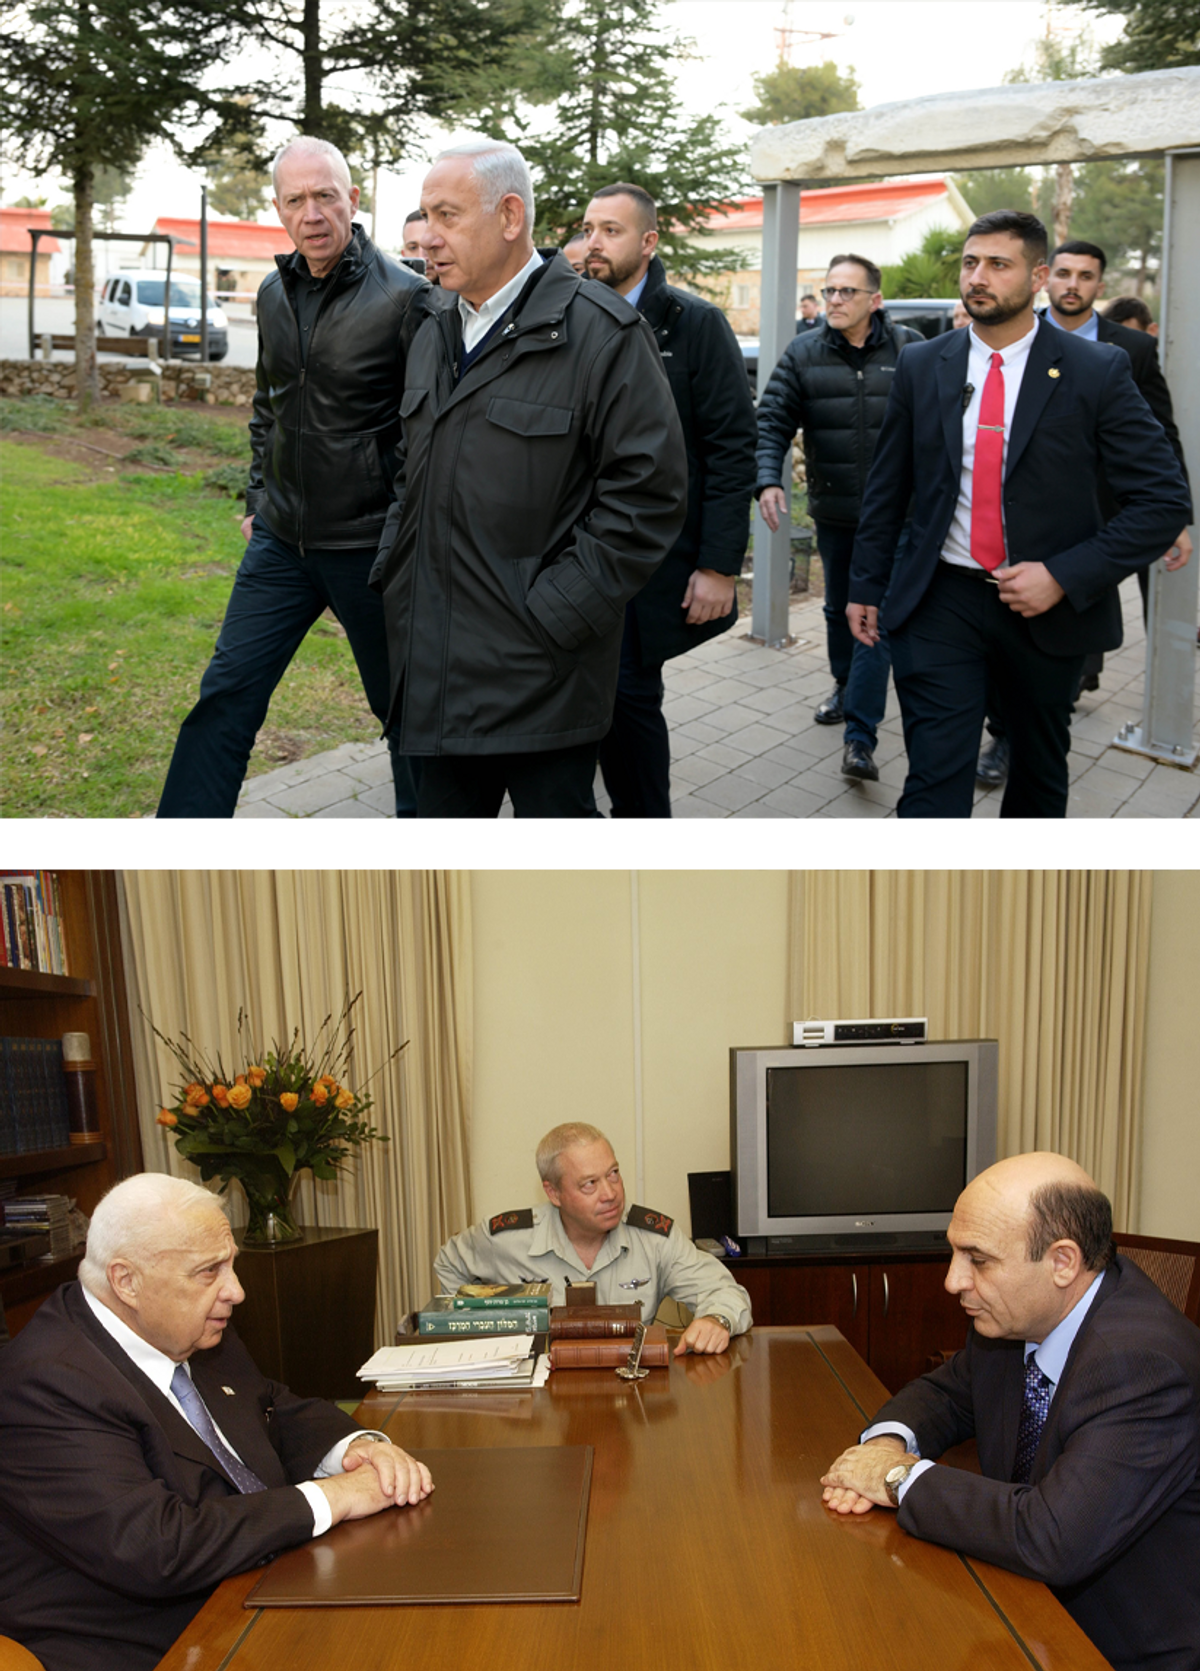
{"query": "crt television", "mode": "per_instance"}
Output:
(860, 1145)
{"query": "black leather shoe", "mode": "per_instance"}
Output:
(832, 711)
(859, 761)
(992, 769)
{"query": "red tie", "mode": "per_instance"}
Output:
(987, 524)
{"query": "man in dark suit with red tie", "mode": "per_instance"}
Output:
(143, 1458)
(1080, 1383)
(1000, 436)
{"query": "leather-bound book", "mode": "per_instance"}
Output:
(593, 1322)
(610, 1354)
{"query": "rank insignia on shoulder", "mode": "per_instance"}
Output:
(521, 1220)
(645, 1218)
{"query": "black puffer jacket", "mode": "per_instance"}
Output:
(323, 434)
(817, 388)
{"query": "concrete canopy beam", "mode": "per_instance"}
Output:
(996, 127)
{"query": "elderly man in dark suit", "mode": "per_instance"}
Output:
(1001, 437)
(143, 1458)
(1081, 1384)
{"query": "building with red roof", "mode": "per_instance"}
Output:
(240, 252)
(885, 220)
(16, 246)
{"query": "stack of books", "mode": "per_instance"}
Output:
(600, 1337)
(481, 1309)
(482, 1365)
(45, 1214)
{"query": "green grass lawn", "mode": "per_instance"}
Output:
(112, 594)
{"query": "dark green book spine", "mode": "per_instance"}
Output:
(530, 1321)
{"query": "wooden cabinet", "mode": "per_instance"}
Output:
(91, 1000)
(895, 1312)
(308, 1318)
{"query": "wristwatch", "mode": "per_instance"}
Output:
(895, 1478)
(716, 1317)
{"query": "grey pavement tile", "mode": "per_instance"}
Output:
(682, 680)
(260, 788)
(767, 772)
(854, 806)
(260, 809)
(319, 792)
(687, 806)
(757, 739)
(770, 699)
(727, 691)
(1101, 783)
(725, 755)
(700, 732)
(1155, 799)
(381, 799)
(681, 710)
(682, 744)
(731, 719)
(348, 809)
(775, 673)
(760, 809)
(376, 768)
(1132, 765)
(794, 800)
(988, 807)
(296, 771)
(733, 791)
(695, 770)
(790, 755)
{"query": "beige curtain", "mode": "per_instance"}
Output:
(1052, 963)
(289, 947)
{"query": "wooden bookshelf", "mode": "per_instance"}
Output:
(91, 1000)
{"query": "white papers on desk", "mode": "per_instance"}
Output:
(432, 1361)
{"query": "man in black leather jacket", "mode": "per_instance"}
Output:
(334, 323)
(833, 383)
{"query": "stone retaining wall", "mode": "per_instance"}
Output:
(216, 385)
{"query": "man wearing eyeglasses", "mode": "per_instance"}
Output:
(833, 383)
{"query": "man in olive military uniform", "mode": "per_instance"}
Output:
(584, 1234)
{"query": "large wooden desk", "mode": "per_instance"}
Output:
(707, 1544)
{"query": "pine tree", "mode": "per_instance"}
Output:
(86, 85)
(617, 117)
(1158, 34)
(798, 92)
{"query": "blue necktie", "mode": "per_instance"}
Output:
(1034, 1409)
(196, 1411)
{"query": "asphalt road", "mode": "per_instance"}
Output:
(56, 314)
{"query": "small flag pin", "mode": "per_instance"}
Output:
(1054, 373)
(228, 1391)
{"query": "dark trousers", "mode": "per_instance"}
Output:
(635, 757)
(278, 593)
(863, 671)
(555, 784)
(958, 637)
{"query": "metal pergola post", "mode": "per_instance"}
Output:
(777, 327)
(1168, 705)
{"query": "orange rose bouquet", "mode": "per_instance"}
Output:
(287, 1108)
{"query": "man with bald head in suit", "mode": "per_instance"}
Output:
(1080, 1383)
(143, 1458)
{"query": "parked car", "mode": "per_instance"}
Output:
(131, 305)
(929, 315)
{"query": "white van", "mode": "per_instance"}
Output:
(131, 305)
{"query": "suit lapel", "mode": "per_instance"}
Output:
(1039, 384)
(951, 381)
(236, 1412)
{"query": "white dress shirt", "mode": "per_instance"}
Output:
(957, 549)
(158, 1368)
(1051, 1355)
(478, 321)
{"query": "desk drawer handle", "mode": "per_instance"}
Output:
(854, 1285)
(885, 1294)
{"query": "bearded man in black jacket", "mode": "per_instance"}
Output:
(693, 596)
(334, 323)
(833, 383)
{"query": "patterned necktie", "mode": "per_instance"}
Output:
(987, 521)
(1034, 1408)
(196, 1411)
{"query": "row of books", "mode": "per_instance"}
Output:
(31, 934)
(33, 1097)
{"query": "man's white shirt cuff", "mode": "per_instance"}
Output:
(897, 1430)
(330, 1464)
